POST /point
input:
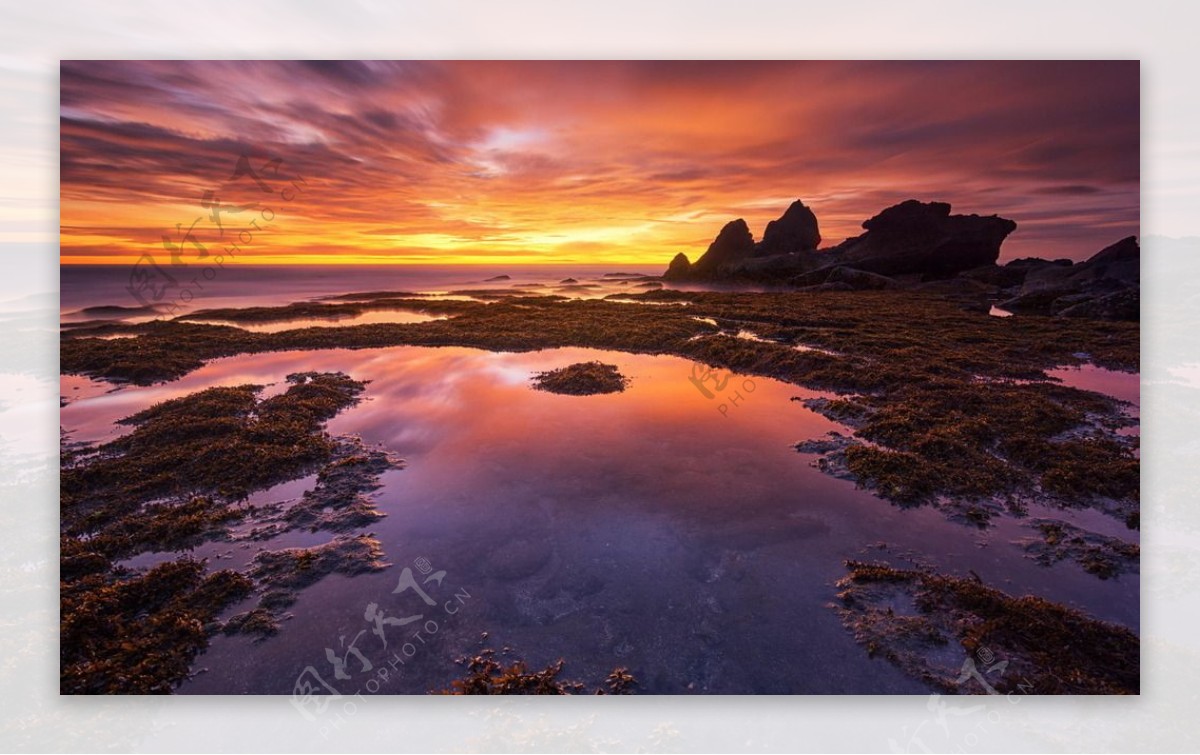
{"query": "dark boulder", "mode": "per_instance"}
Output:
(1125, 250)
(957, 287)
(994, 275)
(1105, 286)
(679, 268)
(1120, 262)
(732, 245)
(924, 238)
(834, 286)
(861, 280)
(1029, 263)
(779, 267)
(852, 279)
(1119, 305)
(795, 231)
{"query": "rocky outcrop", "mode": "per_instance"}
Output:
(847, 278)
(1119, 305)
(1106, 286)
(924, 238)
(911, 238)
(778, 268)
(795, 231)
(995, 275)
(679, 269)
(920, 246)
(732, 245)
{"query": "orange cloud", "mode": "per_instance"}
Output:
(582, 162)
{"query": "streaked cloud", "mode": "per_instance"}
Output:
(590, 161)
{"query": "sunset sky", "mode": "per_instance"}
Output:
(503, 162)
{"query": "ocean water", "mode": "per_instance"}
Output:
(235, 285)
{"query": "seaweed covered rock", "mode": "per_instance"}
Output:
(933, 627)
(582, 379)
(485, 674)
(137, 634)
(177, 480)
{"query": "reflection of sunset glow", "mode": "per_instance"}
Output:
(589, 162)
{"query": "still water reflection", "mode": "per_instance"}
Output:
(647, 529)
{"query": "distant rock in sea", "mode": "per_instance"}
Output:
(679, 269)
(117, 311)
(794, 231)
(499, 278)
(732, 245)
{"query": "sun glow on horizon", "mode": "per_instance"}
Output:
(484, 163)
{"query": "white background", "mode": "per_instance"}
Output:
(35, 35)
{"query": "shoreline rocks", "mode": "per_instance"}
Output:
(921, 246)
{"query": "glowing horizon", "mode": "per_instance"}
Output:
(488, 163)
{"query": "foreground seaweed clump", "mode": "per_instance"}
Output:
(915, 618)
(1106, 557)
(136, 634)
(217, 442)
(582, 379)
(285, 571)
(487, 676)
(173, 483)
(959, 438)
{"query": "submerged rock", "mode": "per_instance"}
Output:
(519, 558)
